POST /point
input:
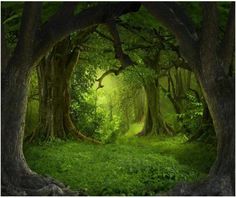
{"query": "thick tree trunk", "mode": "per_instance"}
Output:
(52, 101)
(219, 94)
(139, 104)
(17, 178)
(54, 74)
(14, 89)
(154, 123)
(210, 68)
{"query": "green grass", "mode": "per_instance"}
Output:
(132, 166)
(133, 130)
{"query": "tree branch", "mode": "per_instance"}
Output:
(124, 59)
(110, 71)
(104, 36)
(174, 18)
(60, 27)
(29, 24)
(228, 42)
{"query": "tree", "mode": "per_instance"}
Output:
(34, 41)
(201, 50)
(154, 123)
(203, 53)
(54, 72)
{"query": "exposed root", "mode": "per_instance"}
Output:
(215, 186)
(80, 136)
(29, 185)
(168, 129)
(71, 130)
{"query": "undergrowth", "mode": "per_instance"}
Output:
(132, 166)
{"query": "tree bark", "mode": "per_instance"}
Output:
(33, 43)
(154, 123)
(54, 74)
(139, 104)
(218, 91)
(17, 178)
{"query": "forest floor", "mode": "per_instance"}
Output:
(131, 166)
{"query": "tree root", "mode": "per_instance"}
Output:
(80, 136)
(74, 132)
(214, 186)
(36, 185)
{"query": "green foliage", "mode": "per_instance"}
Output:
(139, 166)
(110, 129)
(191, 118)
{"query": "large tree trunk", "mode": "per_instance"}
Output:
(17, 178)
(154, 123)
(139, 105)
(219, 94)
(51, 106)
(54, 74)
(14, 91)
(218, 88)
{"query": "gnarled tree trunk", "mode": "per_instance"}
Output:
(17, 178)
(54, 74)
(205, 59)
(154, 123)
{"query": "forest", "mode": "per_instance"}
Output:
(118, 98)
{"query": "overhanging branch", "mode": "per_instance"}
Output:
(123, 58)
(110, 71)
(60, 27)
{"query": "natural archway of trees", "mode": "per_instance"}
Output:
(50, 38)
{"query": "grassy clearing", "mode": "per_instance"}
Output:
(132, 166)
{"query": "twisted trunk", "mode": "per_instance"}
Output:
(17, 178)
(219, 94)
(154, 123)
(54, 74)
(218, 87)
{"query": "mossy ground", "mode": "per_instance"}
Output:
(131, 166)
